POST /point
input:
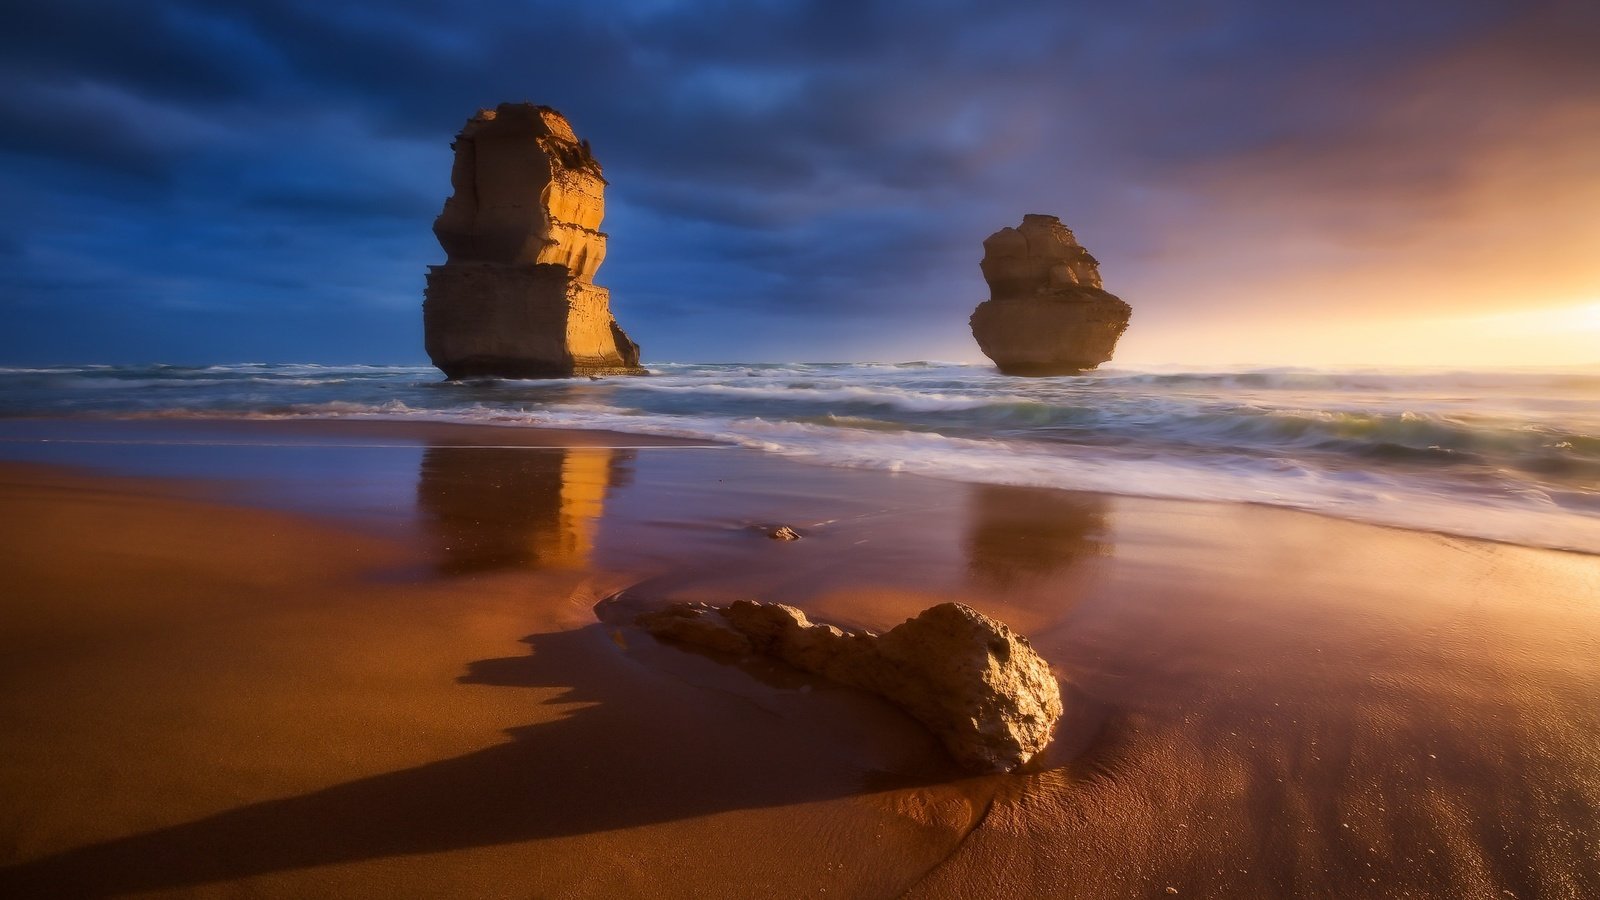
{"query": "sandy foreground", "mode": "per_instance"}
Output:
(363, 660)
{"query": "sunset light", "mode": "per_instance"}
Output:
(1558, 320)
(939, 449)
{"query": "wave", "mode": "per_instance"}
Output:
(1361, 432)
(867, 396)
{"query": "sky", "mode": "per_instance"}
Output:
(1353, 183)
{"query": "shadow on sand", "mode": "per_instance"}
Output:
(651, 749)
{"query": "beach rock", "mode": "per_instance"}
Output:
(975, 683)
(696, 624)
(516, 296)
(1047, 313)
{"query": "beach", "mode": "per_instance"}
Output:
(307, 658)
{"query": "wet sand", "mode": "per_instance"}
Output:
(368, 664)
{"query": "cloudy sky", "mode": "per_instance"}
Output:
(1266, 182)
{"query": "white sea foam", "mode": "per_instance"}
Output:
(805, 393)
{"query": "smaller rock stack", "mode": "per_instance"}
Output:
(1046, 313)
(516, 296)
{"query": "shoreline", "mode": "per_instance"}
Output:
(1500, 455)
(1259, 700)
(363, 433)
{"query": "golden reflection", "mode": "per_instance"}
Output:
(1017, 535)
(491, 508)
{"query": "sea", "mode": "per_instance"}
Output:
(1508, 455)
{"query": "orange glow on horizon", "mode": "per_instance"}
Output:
(1556, 335)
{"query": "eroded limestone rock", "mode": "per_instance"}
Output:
(1047, 313)
(516, 296)
(976, 684)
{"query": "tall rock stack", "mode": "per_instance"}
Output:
(516, 296)
(1047, 313)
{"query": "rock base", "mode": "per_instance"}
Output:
(1060, 332)
(505, 321)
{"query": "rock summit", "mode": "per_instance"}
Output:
(1047, 313)
(516, 296)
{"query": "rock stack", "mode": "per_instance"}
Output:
(1046, 313)
(516, 296)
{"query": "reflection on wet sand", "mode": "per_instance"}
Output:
(1017, 535)
(489, 508)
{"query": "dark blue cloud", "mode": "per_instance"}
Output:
(196, 181)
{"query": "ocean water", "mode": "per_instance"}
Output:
(1506, 455)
